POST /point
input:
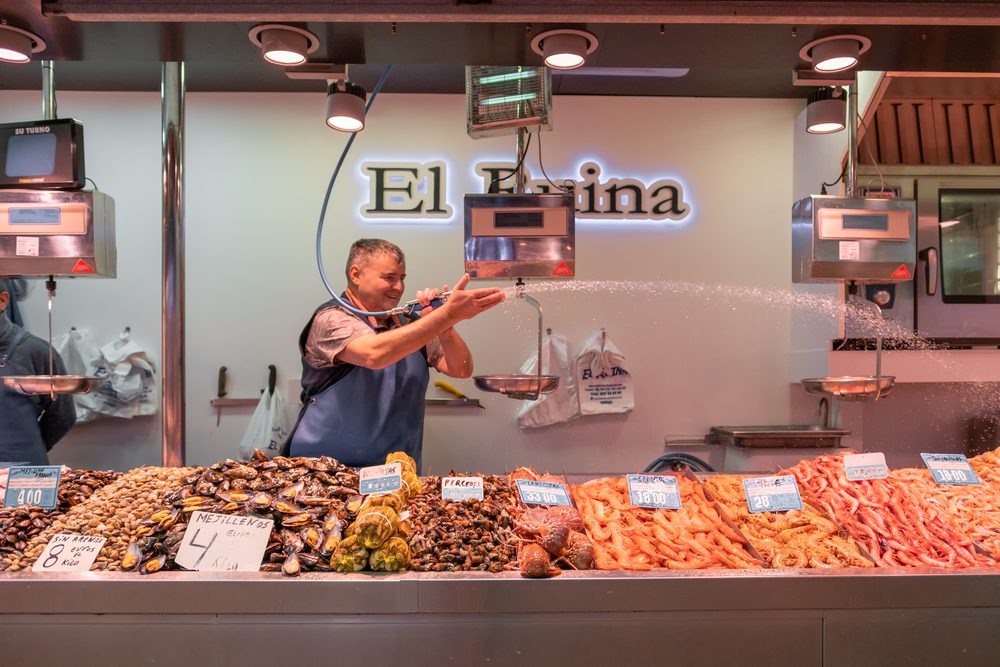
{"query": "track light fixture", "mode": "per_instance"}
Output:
(564, 48)
(345, 106)
(284, 45)
(17, 45)
(835, 53)
(826, 111)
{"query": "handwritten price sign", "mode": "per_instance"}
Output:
(543, 493)
(462, 488)
(381, 479)
(654, 491)
(32, 485)
(69, 553)
(772, 494)
(953, 469)
(224, 543)
(865, 466)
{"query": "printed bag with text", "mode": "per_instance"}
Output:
(603, 381)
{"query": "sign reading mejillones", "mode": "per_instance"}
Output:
(418, 191)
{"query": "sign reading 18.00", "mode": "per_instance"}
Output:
(950, 469)
(542, 493)
(32, 485)
(654, 491)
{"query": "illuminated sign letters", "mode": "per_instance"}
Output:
(406, 189)
(415, 190)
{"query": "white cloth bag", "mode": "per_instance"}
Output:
(268, 427)
(604, 380)
(80, 356)
(556, 406)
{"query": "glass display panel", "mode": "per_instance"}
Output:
(970, 243)
(30, 155)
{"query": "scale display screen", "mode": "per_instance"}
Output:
(519, 220)
(42, 154)
(35, 216)
(873, 222)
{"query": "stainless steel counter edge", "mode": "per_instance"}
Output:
(259, 593)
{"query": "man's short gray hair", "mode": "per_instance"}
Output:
(363, 250)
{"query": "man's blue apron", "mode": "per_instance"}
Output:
(20, 437)
(358, 415)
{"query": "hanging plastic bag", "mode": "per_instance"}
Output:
(80, 355)
(268, 427)
(605, 383)
(556, 406)
(130, 390)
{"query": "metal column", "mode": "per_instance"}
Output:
(49, 111)
(172, 334)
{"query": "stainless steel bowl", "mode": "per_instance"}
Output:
(520, 387)
(33, 385)
(851, 387)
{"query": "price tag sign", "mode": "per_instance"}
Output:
(772, 494)
(865, 466)
(950, 469)
(224, 543)
(654, 491)
(462, 488)
(32, 485)
(381, 479)
(69, 553)
(543, 493)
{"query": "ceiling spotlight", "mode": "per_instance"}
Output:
(835, 53)
(345, 106)
(17, 45)
(564, 48)
(284, 45)
(827, 111)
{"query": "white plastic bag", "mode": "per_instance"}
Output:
(556, 406)
(268, 427)
(80, 356)
(605, 383)
(130, 390)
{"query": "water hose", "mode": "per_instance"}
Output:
(408, 308)
(673, 461)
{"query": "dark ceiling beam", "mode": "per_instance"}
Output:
(843, 12)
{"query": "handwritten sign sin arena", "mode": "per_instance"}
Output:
(381, 479)
(542, 493)
(69, 553)
(224, 543)
(32, 485)
(772, 494)
(462, 488)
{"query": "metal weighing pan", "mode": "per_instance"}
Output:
(851, 387)
(33, 385)
(521, 387)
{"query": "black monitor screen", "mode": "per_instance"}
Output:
(31, 155)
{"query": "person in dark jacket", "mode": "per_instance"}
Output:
(29, 425)
(363, 378)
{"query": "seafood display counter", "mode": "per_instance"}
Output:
(528, 569)
(762, 617)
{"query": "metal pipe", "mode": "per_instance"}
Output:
(49, 111)
(850, 176)
(519, 178)
(172, 327)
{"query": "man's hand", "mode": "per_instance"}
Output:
(463, 304)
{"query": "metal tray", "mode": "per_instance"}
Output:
(33, 385)
(781, 435)
(518, 386)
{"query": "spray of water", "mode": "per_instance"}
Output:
(864, 320)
